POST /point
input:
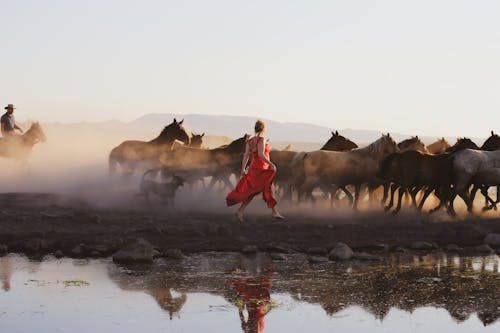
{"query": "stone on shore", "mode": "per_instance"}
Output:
(341, 252)
(140, 251)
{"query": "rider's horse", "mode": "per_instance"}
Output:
(19, 147)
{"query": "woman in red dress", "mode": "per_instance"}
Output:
(259, 177)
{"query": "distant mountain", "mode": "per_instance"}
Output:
(283, 132)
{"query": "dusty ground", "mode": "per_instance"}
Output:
(46, 223)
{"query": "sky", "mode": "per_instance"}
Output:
(420, 67)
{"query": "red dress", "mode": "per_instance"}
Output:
(258, 179)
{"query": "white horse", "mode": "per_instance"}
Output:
(474, 167)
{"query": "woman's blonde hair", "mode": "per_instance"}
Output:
(259, 126)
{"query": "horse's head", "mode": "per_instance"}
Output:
(197, 140)
(461, 144)
(37, 132)
(414, 143)
(339, 143)
(175, 131)
(238, 145)
(492, 143)
(387, 145)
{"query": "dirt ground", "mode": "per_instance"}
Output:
(46, 223)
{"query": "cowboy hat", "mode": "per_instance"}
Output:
(9, 106)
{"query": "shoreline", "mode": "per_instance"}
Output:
(41, 224)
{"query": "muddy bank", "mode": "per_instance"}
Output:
(46, 223)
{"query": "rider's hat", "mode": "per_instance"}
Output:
(9, 106)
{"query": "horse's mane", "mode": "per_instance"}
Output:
(375, 146)
(408, 142)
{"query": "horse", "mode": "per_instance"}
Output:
(19, 147)
(195, 163)
(291, 170)
(438, 147)
(461, 144)
(337, 169)
(474, 167)
(196, 141)
(339, 143)
(410, 172)
(132, 153)
(492, 143)
(413, 143)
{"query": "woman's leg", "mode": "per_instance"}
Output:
(242, 208)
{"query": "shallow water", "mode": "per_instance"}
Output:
(232, 293)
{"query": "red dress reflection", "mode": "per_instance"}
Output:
(258, 179)
(255, 297)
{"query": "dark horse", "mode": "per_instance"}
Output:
(130, 154)
(412, 171)
(19, 146)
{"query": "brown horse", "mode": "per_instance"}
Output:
(194, 163)
(290, 165)
(339, 143)
(19, 146)
(409, 172)
(131, 154)
(413, 143)
(339, 169)
(438, 147)
(196, 141)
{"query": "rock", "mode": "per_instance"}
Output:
(317, 259)
(341, 252)
(35, 245)
(250, 249)
(453, 248)
(140, 251)
(484, 249)
(429, 280)
(102, 249)
(492, 239)
(277, 256)
(316, 250)
(277, 248)
(78, 250)
(3, 248)
(423, 246)
(58, 254)
(380, 247)
(174, 254)
(399, 249)
(366, 256)
(95, 253)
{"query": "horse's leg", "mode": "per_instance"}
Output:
(402, 190)
(427, 192)
(348, 195)
(413, 193)
(472, 196)
(386, 193)
(357, 189)
(394, 187)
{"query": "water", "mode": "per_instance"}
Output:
(233, 293)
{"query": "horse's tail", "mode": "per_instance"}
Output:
(113, 162)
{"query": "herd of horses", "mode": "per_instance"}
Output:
(340, 170)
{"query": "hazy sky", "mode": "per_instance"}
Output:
(426, 67)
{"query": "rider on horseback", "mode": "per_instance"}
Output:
(8, 122)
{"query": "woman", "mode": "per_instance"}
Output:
(259, 177)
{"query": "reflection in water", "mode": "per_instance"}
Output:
(5, 272)
(253, 287)
(191, 291)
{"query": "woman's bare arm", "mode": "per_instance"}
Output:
(246, 157)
